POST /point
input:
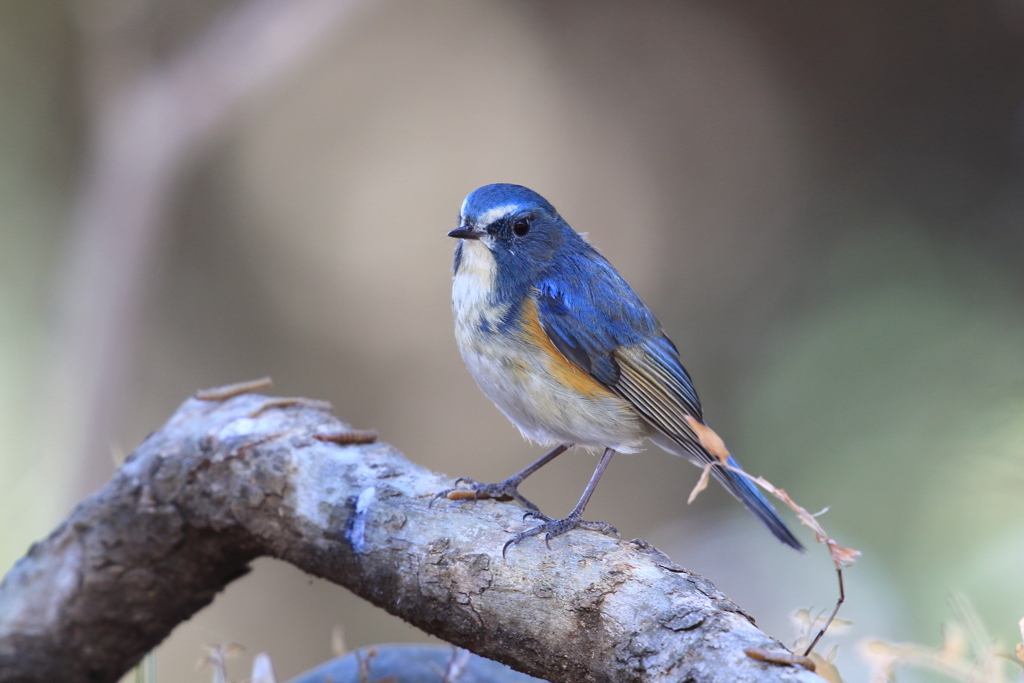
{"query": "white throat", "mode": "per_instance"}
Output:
(473, 284)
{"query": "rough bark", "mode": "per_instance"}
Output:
(225, 482)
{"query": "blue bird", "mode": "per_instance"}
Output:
(570, 354)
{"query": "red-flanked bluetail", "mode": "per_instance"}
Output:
(572, 356)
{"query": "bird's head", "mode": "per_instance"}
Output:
(519, 227)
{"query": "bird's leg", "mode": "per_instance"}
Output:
(556, 527)
(503, 490)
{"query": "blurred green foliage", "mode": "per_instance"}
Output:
(896, 399)
(38, 125)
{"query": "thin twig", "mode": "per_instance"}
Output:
(840, 556)
(831, 617)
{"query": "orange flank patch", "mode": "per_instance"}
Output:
(711, 441)
(561, 368)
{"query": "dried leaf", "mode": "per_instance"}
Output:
(466, 494)
(216, 659)
(233, 650)
(363, 659)
(456, 665)
(347, 437)
(838, 626)
(841, 557)
(338, 646)
(117, 454)
(289, 401)
(802, 622)
(881, 658)
(232, 390)
(967, 653)
(1020, 647)
(954, 644)
(711, 441)
(824, 667)
(263, 669)
(762, 655)
(702, 484)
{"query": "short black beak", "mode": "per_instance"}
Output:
(465, 233)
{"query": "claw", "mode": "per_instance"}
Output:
(556, 527)
(503, 490)
(537, 514)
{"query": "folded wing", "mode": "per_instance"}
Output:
(606, 330)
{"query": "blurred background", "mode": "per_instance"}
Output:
(823, 202)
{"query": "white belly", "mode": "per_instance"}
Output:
(516, 375)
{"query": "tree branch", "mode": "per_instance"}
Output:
(225, 482)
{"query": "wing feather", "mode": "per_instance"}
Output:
(660, 377)
(618, 341)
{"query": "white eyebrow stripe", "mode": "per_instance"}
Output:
(491, 215)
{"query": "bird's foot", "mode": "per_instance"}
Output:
(503, 490)
(556, 527)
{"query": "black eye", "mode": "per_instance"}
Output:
(521, 227)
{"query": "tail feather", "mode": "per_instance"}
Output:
(752, 498)
(738, 485)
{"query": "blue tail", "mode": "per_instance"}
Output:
(751, 497)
